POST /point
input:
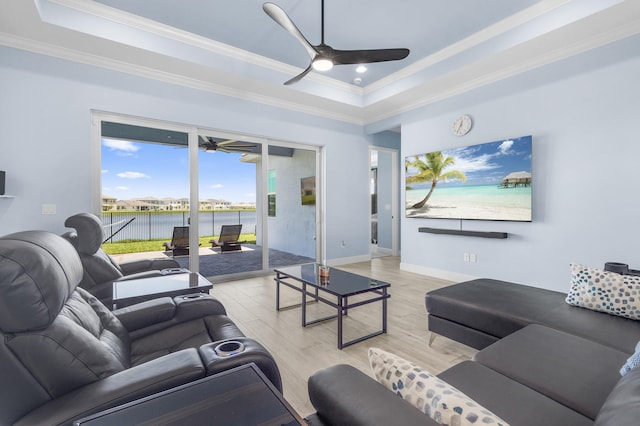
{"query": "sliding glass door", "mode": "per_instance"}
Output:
(227, 215)
(292, 205)
(225, 205)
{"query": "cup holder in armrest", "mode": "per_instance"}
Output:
(171, 271)
(192, 296)
(229, 348)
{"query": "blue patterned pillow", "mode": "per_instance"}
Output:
(605, 291)
(632, 362)
(434, 397)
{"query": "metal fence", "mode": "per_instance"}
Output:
(158, 225)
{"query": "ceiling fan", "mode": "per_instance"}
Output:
(324, 57)
(210, 144)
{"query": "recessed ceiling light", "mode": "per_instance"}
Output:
(357, 80)
(361, 69)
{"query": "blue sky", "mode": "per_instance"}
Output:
(487, 163)
(138, 169)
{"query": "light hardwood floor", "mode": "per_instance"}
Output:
(300, 351)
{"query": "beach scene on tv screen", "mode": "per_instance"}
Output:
(489, 181)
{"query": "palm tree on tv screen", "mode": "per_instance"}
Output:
(431, 170)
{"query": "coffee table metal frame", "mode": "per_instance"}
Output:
(290, 278)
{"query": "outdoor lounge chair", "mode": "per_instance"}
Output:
(228, 239)
(179, 244)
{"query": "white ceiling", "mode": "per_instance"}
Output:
(423, 26)
(235, 49)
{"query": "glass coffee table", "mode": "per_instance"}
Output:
(308, 281)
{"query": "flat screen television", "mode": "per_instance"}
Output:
(489, 181)
(308, 190)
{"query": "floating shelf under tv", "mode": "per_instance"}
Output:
(481, 234)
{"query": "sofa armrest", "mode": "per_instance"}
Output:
(154, 315)
(141, 265)
(146, 379)
(342, 394)
(197, 305)
(145, 314)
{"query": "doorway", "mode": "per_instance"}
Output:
(383, 179)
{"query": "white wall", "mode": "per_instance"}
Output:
(45, 108)
(293, 229)
(586, 163)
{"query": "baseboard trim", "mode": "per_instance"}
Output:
(436, 273)
(347, 260)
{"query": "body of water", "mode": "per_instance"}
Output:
(152, 226)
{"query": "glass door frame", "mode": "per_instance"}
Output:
(97, 117)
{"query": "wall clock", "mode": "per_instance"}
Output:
(461, 125)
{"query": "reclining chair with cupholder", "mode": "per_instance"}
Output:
(64, 355)
(100, 270)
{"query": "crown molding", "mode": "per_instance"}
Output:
(495, 30)
(59, 52)
(101, 11)
(503, 66)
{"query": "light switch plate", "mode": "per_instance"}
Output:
(48, 209)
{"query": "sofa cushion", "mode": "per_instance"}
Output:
(512, 401)
(498, 308)
(558, 365)
(439, 400)
(622, 407)
(605, 291)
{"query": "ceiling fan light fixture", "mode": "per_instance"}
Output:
(322, 64)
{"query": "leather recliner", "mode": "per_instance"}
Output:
(64, 355)
(100, 270)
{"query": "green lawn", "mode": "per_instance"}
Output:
(130, 246)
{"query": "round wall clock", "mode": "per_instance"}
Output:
(461, 125)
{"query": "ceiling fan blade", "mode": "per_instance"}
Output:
(279, 15)
(345, 57)
(299, 76)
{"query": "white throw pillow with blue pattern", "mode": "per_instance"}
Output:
(434, 397)
(605, 291)
(632, 362)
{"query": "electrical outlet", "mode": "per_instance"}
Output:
(473, 258)
(466, 257)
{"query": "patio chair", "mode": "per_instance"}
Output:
(228, 239)
(179, 244)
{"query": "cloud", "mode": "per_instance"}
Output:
(132, 175)
(505, 147)
(216, 186)
(122, 188)
(470, 164)
(104, 171)
(118, 145)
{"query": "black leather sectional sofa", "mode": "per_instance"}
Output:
(542, 362)
(64, 355)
